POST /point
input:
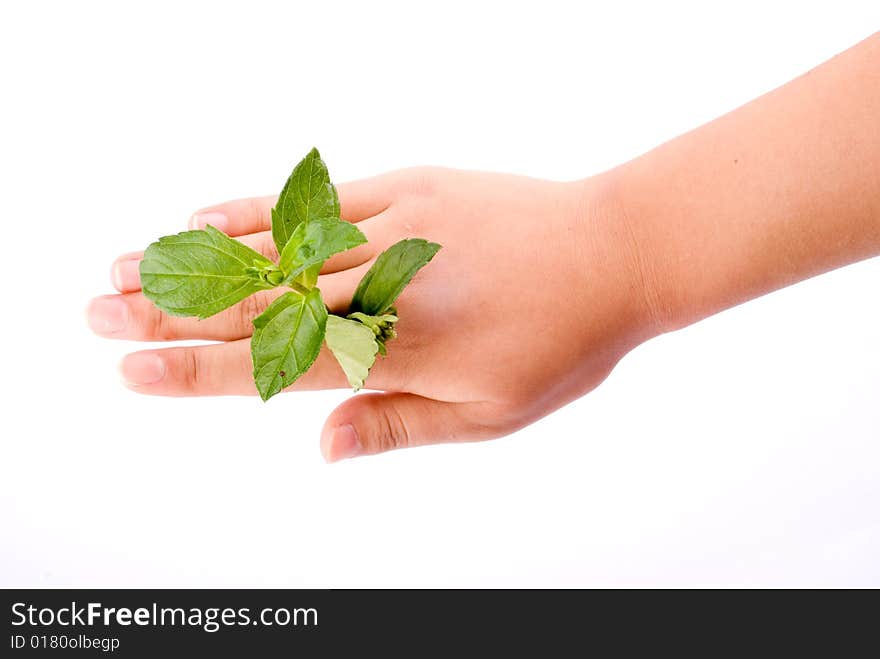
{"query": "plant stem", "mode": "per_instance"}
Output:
(299, 288)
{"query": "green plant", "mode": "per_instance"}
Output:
(202, 272)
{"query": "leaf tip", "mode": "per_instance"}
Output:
(265, 389)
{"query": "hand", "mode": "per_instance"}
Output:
(541, 287)
(535, 296)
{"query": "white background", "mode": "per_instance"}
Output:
(741, 451)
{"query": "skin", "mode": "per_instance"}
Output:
(542, 287)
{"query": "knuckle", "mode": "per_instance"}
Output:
(393, 431)
(157, 324)
(422, 182)
(191, 375)
(255, 212)
(420, 191)
(248, 309)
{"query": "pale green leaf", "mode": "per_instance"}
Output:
(200, 273)
(354, 346)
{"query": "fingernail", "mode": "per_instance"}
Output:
(107, 315)
(126, 275)
(214, 218)
(344, 444)
(142, 368)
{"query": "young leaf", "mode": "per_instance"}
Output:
(382, 326)
(287, 339)
(307, 195)
(309, 276)
(354, 346)
(200, 273)
(390, 274)
(378, 324)
(312, 243)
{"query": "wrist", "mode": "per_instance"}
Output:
(629, 248)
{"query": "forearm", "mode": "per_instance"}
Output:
(779, 190)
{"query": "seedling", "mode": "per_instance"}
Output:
(202, 272)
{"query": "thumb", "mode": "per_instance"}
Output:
(378, 422)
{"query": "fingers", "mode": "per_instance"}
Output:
(125, 271)
(132, 316)
(221, 369)
(358, 200)
(250, 221)
(225, 369)
(379, 422)
(238, 217)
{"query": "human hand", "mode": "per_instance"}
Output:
(536, 295)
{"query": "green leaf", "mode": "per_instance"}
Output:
(307, 195)
(200, 273)
(390, 274)
(354, 346)
(314, 242)
(287, 339)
